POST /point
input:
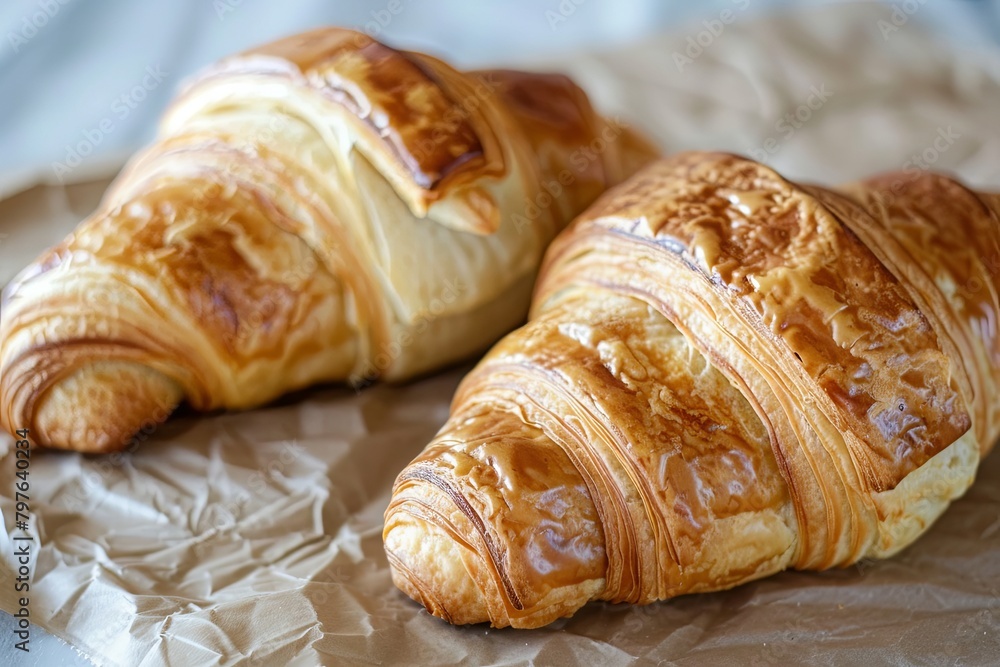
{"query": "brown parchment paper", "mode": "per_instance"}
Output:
(255, 538)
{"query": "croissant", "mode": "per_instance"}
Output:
(724, 374)
(320, 209)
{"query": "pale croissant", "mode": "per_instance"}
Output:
(323, 208)
(725, 374)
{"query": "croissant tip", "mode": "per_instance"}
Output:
(427, 565)
(100, 407)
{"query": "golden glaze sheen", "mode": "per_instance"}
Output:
(725, 374)
(323, 208)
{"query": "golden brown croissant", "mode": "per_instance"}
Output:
(323, 208)
(725, 374)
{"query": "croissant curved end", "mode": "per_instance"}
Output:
(500, 530)
(137, 396)
(454, 581)
(428, 567)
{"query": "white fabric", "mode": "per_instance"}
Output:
(65, 64)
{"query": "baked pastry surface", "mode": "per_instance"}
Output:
(725, 374)
(323, 208)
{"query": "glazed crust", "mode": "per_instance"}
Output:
(725, 374)
(323, 208)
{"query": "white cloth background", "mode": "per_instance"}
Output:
(65, 64)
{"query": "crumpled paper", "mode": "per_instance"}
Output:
(255, 538)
